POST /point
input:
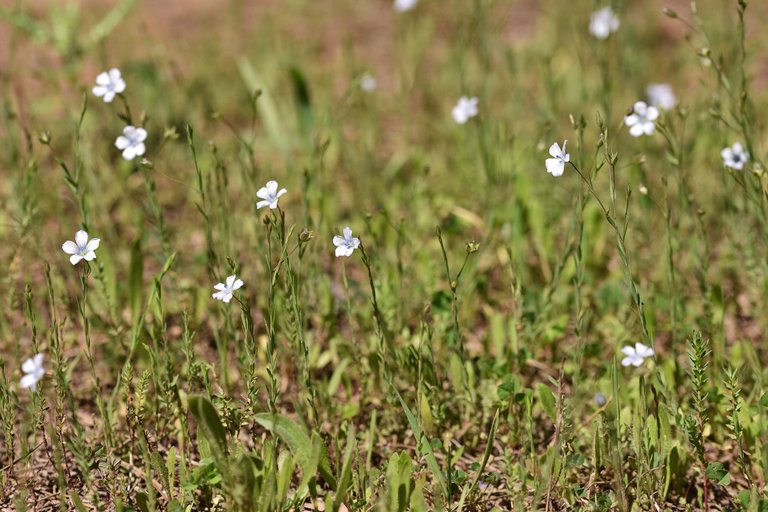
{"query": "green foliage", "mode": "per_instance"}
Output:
(468, 354)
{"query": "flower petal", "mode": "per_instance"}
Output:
(122, 142)
(81, 238)
(75, 259)
(70, 247)
(28, 366)
(92, 244)
(29, 381)
(631, 119)
(628, 351)
(554, 166)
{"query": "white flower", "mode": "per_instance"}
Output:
(661, 96)
(643, 189)
(641, 120)
(636, 355)
(33, 372)
(225, 290)
(556, 164)
(346, 245)
(405, 5)
(81, 248)
(465, 109)
(603, 23)
(269, 194)
(368, 82)
(735, 156)
(108, 84)
(132, 142)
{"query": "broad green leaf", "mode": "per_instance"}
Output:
(208, 419)
(717, 472)
(547, 399)
(299, 443)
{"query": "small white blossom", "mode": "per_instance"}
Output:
(636, 355)
(641, 120)
(735, 156)
(661, 96)
(465, 109)
(225, 290)
(81, 248)
(269, 194)
(603, 23)
(643, 189)
(131, 142)
(556, 164)
(405, 5)
(368, 82)
(108, 85)
(33, 372)
(346, 245)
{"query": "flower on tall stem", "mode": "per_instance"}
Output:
(642, 119)
(226, 290)
(465, 109)
(131, 142)
(735, 156)
(269, 194)
(556, 164)
(346, 245)
(603, 23)
(108, 85)
(636, 356)
(33, 372)
(81, 248)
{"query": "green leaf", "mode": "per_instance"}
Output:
(301, 93)
(159, 467)
(426, 448)
(547, 399)
(208, 419)
(268, 109)
(136, 279)
(345, 476)
(300, 444)
(79, 503)
(109, 23)
(717, 472)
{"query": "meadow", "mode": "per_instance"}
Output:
(346, 255)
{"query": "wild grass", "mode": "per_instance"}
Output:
(475, 351)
